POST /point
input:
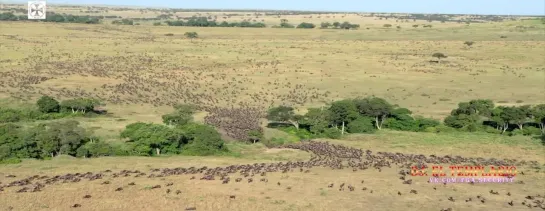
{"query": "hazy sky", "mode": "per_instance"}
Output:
(513, 7)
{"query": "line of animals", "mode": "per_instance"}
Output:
(323, 154)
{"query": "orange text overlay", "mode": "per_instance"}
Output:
(464, 171)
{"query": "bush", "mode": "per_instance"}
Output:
(516, 132)
(530, 130)
(47, 104)
(205, 140)
(361, 125)
(404, 123)
(10, 161)
(306, 26)
(444, 129)
(332, 133)
(9, 115)
(492, 130)
(424, 123)
(302, 133)
(470, 128)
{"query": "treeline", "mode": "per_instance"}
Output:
(179, 135)
(204, 22)
(54, 17)
(49, 108)
(338, 25)
(366, 115)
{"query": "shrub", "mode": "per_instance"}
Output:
(530, 130)
(516, 132)
(306, 26)
(424, 123)
(10, 161)
(205, 140)
(492, 130)
(47, 104)
(9, 115)
(361, 125)
(332, 133)
(444, 129)
(402, 123)
(387, 25)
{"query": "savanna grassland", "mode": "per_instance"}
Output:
(141, 71)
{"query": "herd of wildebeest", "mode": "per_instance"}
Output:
(323, 155)
(126, 80)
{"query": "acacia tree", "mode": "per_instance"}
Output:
(183, 114)
(515, 115)
(538, 115)
(148, 137)
(374, 107)
(47, 104)
(79, 104)
(191, 35)
(325, 25)
(255, 135)
(342, 112)
(316, 119)
(439, 56)
(469, 43)
(336, 24)
(502, 124)
(284, 114)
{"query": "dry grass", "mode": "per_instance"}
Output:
(233, 65)
(212, 195)
(241, 63)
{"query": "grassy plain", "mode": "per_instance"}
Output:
(134, 67)
(308, 191)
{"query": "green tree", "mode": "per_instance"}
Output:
(316, 119)
(306, 26)
(361, 125)
(79, 104)
(342, 112)
(255, 136)
(336, 24)
(191, 35)
(374, 107)
(469, 43)
(149, 139)
(284, 114)
(538, 115)
(47, 104)
(204, 140)
(460, 121)
(325, 25)
(516, 115)
(439, 56)
(183, 114)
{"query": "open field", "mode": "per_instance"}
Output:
(231, 66)
(297, 190)
(139, 73)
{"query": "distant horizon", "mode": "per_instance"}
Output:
(500, 7)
